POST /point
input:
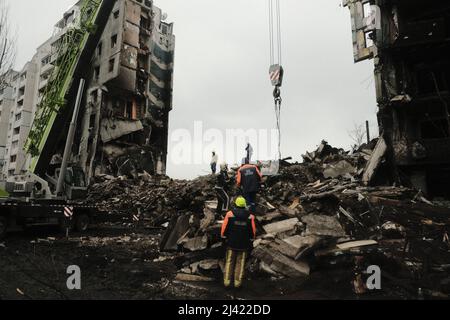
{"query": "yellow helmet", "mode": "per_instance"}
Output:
(240, 202)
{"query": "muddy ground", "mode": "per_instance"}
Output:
(123, 262)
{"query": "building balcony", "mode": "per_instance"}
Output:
(14, 151)
(48, 67)
(12, 166)
(42, 84)
(18, 123)
(16, 137)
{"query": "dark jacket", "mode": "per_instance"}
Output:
(222, 180)
(239, 229)
(249, 178)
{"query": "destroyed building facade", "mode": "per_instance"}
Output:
(123, 124)
(409, 42)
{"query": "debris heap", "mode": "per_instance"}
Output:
(312, 216)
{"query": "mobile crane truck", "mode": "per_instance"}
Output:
(54, 194)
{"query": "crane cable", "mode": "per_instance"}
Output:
(276, 66)
(277, 15)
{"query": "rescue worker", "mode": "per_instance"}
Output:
(249, 152)
(222, 189)
(249, 178)
(239, 231)
(214, 160)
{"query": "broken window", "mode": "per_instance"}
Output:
(97, 73)
(92, 120)
(111, 65)
(145, 23)
(46, 60)
(45, 76)
(99, 49)
(13, 159)
(94, 96)
(116, 14)
(129, 110)
(114, 41)
(16, 131)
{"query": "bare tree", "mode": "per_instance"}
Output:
(7, 43)
(358, 135)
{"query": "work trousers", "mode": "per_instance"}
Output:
(223, 200)
(234, 268)
(250, 197)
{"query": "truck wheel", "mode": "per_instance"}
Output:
(82, 222)
(3, 227)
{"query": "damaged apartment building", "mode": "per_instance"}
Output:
(123, 124)
(409, 41)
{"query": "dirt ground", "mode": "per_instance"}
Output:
(122, 262)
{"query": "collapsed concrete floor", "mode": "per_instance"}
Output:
(319, 229)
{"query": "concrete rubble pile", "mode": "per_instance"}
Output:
(311, 217)
(153, 200)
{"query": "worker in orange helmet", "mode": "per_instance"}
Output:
(239, 231)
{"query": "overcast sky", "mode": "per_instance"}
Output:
(221, 70)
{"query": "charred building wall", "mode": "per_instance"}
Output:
(410, 44)
(124, 128)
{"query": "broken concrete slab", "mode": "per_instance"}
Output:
(375, 161)
(356, 244)
(342, 248)
(209, 264)
(113, 129)
(284, 248)
(280, 263)
(304, 244)
(211, 205)
(321, 225)
(281, 226)
(265, 268)
(208, 220)
(340, 169)
(269, 217)
(288, 211)
(177, 228)
(196, 244)
(193, 278)
(392, 230)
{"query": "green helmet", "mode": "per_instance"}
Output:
(241, 202)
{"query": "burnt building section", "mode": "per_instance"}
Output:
(124, 125)
(409, 41)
